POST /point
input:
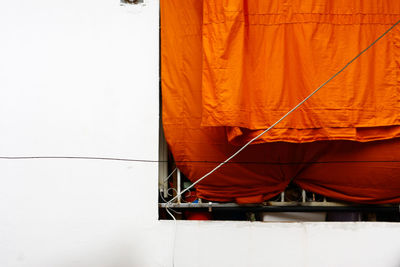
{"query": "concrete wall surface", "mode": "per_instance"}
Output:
(81, 78)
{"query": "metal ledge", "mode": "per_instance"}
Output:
(275, 206)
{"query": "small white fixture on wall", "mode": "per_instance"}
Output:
(132, 2)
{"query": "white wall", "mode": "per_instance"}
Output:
(80, 78)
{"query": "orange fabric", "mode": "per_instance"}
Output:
(240, 136)
(261, 58)
(366, 172)
(191, 144)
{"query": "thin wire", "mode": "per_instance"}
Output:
(166, 179)
(297, 162)
(167, 208)
(287, 114)
(79, 157)
(188, 161)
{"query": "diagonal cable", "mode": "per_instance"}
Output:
(287, 114)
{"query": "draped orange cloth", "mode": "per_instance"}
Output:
(261, 58)
(232, 68)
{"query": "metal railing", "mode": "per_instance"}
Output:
(307, 202)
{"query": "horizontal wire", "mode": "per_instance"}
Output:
(192, 161)
(79, 157)
(296, 162)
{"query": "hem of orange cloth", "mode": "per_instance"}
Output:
(239, 136)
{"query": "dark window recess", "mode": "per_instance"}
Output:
(294, 204)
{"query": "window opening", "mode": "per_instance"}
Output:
(292, 200)
(293, 204)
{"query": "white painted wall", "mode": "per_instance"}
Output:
(80, 78)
